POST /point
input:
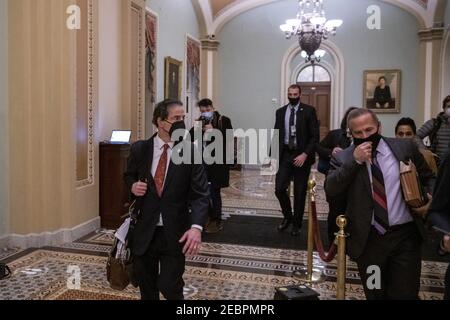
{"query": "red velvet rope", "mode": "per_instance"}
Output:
(318, 239)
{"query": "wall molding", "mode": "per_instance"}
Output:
(445, 63)
(214, 24)
(55, 238)
(92, 87)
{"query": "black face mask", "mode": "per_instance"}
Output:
(375, 139)
(294, 101)
(176, 126)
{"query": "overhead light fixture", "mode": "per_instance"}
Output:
(311, 27)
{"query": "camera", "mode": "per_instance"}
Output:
(206, 120)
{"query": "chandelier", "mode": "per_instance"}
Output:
(311, 27)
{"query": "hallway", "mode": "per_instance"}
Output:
(226, 269)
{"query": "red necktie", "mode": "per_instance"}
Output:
(381, 216)
(161, 171)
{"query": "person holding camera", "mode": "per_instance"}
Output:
(218, 172)
(440, 210)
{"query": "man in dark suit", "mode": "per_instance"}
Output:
(218, 172)
(165, 231)
(333, 143)
(440, 207)
(298, 135)
(385, 234)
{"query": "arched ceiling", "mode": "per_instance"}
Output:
(217, 13)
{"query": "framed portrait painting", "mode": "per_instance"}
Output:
(382, 90)
(173, 73)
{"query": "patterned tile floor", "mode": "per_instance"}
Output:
(251, 193)
(221, 271)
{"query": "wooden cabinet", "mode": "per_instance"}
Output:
(114, 196)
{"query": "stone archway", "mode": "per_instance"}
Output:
(337, 79)
(445, 62)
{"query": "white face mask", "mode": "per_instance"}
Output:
(447, 112)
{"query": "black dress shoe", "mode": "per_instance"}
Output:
(284, 225)
(295, 231)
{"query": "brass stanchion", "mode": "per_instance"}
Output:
(309, 274)
(341, 221)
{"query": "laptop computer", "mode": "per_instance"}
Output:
(120, 136)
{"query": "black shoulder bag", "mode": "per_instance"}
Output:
(119, 271)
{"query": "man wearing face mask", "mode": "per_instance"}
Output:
(219, 172)
(438, 130)
(298, 133)
(165, 232)
(384, 232)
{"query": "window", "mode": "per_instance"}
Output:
(314, 74)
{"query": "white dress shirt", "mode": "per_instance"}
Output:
(398, 212)
(158, 149)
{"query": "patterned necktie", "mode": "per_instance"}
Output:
(161, 171)
(381, 218)
(292, 137)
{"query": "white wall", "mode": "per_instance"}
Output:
(109, 69)
(252, 47)
(447, 15)
(176, 19)
(4, 127)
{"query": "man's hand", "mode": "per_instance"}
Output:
(363, 152)
(336, 151)
(139, 189)
(300, 160)
(423, 211)
(193, 238)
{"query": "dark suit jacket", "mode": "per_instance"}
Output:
(347, 177)
(334, 138)
(307, 130)
(219, 174)
(185, 185)
(441, 195)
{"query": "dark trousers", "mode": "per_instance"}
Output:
(286, 172)
(216, 199)
(337, 206)
(398, 255)
(447, 284)
(333, 213)
(160, 269)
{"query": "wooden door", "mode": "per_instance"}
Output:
(318, 95)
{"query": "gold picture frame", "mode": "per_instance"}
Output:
(173, 76)
(382, 100)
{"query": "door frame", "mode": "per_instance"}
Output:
(337, 73)
(331, 71)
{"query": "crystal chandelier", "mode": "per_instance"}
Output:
(311, 27)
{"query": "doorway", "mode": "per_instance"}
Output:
(315, 82)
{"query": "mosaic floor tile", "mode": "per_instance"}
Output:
(221, 271)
